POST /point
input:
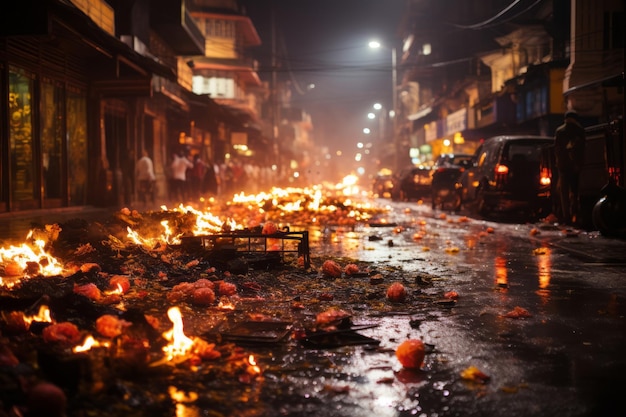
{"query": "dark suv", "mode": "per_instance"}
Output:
(412, 183)
(507, 176)
(445, 186)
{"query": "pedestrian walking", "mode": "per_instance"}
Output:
(180, 165)
(569, 152)
(144, 172)
(211, 179)
(226, 178)
(196, 179)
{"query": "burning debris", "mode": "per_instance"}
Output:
(100, 309)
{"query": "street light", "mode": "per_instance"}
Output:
(382, 120)
(394, 97)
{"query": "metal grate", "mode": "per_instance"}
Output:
(282, 244)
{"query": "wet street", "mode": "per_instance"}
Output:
(563, 360)
(538, 309)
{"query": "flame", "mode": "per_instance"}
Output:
(206, 223)
(209, 223)
(225, 304)
(89, 343)
(21, 259)
(253, 368)
(184, 401)
(117, 291)
(167, 238)
(290, 200)
(180, 396)
(315, 200)
(179, 345)
(43, 316)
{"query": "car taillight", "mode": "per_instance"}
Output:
(502, 169)
(545, 180)
(545, 177)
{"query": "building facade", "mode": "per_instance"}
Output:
(485, 68)
(86, 85)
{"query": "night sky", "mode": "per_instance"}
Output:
(325, 42)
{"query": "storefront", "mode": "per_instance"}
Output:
(44, 156)
(69, 114)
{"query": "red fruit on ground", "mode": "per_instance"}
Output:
(396, 292)
(331, 268)
(451, 295)
(411, 353)
(351, 269)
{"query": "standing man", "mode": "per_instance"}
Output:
(144, 170)
(180, 165)
(569, 152)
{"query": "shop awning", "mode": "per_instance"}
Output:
(419, 114)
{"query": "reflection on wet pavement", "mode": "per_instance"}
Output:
(564, 359)
(549, 363)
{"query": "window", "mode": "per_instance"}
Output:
(22, 162)
(52, 139)
(77, 148)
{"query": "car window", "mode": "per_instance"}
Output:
(494, 154)
(526, 151)
(462, 160)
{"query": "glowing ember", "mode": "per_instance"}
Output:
(180, 345)
(180, 396)
(89, 343)
(119, 290)
(253, 368)
(225, 304)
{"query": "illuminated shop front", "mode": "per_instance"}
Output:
(46, 159)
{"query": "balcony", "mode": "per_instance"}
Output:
(243, 70)
(172, 21)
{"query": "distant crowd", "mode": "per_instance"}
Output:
(190, 177)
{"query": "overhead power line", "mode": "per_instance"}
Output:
(488, 22)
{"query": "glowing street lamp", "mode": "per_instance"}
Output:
(394, 96)
(381, 119)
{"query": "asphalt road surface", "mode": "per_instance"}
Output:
(517, 320)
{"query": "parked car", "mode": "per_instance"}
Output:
(412, 183)
(507, 176)
(383, 185)
(446, 187)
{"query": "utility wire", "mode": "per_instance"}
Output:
(292, 77)
(511, 17)
(484, 23)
